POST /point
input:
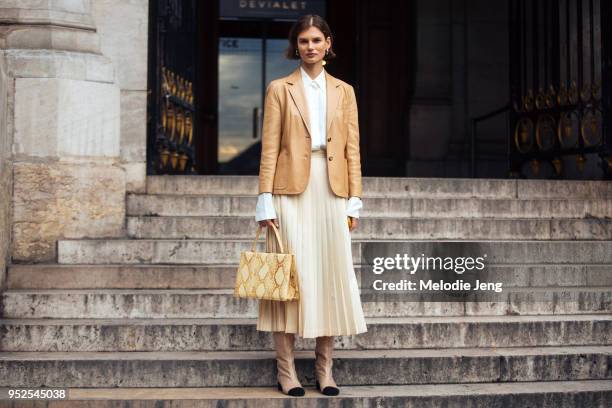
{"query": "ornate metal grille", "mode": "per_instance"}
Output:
(171, 143)
(560, 70)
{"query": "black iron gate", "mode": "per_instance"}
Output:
(560, 88)
(171, 113)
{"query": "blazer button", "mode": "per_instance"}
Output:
(329, 139)
(330, 158)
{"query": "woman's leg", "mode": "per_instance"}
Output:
(285, 363)
(323, 366)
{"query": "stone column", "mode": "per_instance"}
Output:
(431, 108)
(63, 129)
(461, 72)
(124, 30)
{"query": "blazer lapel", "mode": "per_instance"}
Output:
(298, 94)
(299, 97)
(333, 96)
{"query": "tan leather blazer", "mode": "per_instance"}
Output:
(286, 143)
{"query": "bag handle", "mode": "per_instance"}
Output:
(278, 240)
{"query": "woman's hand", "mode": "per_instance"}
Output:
(265, 223)
(354, 223)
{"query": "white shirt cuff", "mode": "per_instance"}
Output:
(353, 207)
(265, 208)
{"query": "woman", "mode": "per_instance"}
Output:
(309, 182)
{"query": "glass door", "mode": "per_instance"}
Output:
(246, 67)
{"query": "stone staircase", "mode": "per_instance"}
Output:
(151, 318)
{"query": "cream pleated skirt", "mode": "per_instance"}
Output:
(313, 227)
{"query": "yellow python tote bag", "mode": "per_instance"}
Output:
(267, 275)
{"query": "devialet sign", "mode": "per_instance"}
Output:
(268, 9)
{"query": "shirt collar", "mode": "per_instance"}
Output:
(320, 79)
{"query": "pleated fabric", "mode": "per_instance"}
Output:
(313, 227)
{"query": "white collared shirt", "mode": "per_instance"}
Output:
(316, 98)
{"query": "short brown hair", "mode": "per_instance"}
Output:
(304, 23)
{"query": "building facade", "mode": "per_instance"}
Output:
(129, 143)
(98, 94)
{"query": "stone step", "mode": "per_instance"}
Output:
(220, 303)
(162, 251)
(241, 334)
(382, 228)
(225, 205)
(398, 187)
(553, 394)
(258, 368)
(217, 251)
(54, 276)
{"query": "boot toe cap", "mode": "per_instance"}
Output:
(297, 392)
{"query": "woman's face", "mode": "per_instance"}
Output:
(312, 45)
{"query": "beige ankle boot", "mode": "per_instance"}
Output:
(323, 366)
(288, 381)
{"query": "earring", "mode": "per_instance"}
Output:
(297, 53)
(326, 52)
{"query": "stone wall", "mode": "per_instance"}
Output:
(6, 180)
